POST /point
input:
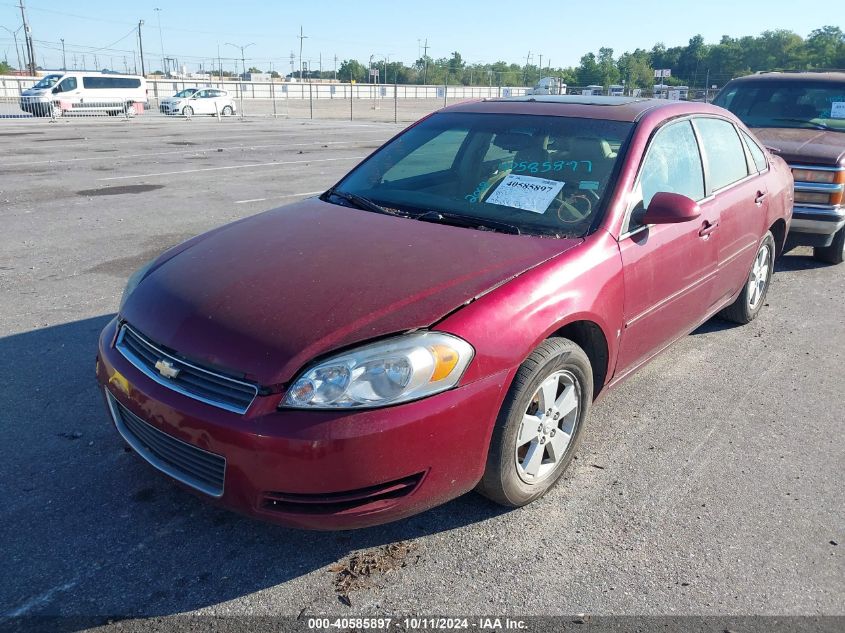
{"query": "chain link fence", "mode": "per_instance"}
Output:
(234, 99)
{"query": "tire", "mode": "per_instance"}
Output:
(227, 111)
(131, 110)
(750, 301)
(507, 478)
(188, 111)
(835, 253)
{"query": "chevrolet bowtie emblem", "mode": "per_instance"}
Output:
(166, 369)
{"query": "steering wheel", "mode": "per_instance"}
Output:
(568, 213)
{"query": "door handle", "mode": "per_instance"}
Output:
(761, 195)
(707, 228)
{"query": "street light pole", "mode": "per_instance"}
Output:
(14, 35)
(160, 39)
(243, 59)
(64, 59)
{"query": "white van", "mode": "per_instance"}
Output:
(549, 86)
(85, 93)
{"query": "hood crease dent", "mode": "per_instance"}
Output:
(279, 289)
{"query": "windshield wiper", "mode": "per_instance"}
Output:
(468, 221)
(362, 203)
(818, 126)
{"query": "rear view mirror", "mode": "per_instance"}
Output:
(670, 208)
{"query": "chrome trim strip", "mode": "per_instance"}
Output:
(671, 298)
(142, 367)
(818, 187)
(836, 213)
(816, 167)
(159, 464)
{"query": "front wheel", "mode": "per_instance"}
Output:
(749, 302)
(188, 111)
(227, 111)
(539, 426)
(835, 253)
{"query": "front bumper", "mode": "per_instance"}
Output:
(319, 469)
(815, 226)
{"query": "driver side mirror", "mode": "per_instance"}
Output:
(57, 90)
(670, 208)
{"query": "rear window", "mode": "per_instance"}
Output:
(110, 83)
(543, 174)
(786, 104)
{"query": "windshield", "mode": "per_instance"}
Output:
(540, 174)
(793, 104)
(187, 92)
(47, 82)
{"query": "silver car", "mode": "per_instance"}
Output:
(193, 101)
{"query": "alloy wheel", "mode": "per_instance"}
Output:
(548, 426)
(759, 277)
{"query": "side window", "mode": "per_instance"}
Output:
(202, 94)
(724, 152)
(68, 84)
(673, 164)
(757, 154)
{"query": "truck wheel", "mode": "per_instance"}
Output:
(835, 253)
(749, 302)
(539, 426)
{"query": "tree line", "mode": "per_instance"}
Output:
(697, 64)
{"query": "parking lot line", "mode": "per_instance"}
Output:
(193, 171)
(185, 151)
(289, 195)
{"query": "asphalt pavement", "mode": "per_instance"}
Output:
(710, 483)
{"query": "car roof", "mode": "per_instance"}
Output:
(583, 106)
(780, 76)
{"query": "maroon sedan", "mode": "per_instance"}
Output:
(442, 319)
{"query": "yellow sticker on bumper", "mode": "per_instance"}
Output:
(119, 380)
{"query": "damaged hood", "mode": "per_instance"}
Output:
(266, 295)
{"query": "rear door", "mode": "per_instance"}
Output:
(735, 185)
(669, 269)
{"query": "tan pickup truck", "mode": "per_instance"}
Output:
(801, 118)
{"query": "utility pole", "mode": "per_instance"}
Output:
(425, 61)
(27, 31)
(292, 62)
(141, 48)
(527, 59)
(335, 67)
(64, 59)
(160, 39)
(540, 69)
(301, 37)
(125, 65)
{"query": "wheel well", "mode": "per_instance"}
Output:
(778, 230)
(589, 337)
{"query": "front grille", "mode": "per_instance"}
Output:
(189, 379)
(361, 500)
(184, 462)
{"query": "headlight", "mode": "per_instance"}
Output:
(133, 281)
(395, 370)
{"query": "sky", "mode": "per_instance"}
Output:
(482, 31)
